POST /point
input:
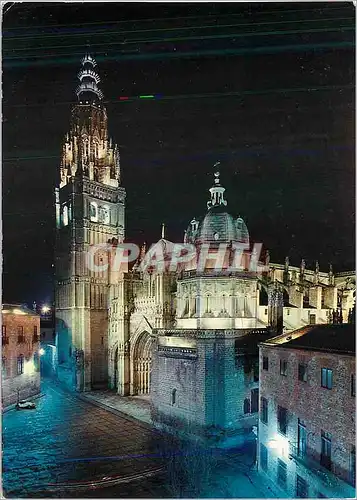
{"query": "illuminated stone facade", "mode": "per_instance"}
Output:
(306, 443)
(89, 210)
(106, 321)
(20, 354)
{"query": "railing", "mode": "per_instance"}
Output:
(244, 273)
(323, 469)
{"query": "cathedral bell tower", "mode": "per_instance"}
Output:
(89, 212)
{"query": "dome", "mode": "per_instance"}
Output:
(217, 226)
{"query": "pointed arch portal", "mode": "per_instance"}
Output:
(141, 374)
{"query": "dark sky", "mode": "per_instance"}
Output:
(267, 89)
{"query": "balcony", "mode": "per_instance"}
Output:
(20, 339)
(324, 472)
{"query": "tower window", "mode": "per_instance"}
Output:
(173, 396)
(93, 211)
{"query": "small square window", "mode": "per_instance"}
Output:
(283, 367)
(265, 363)
(302, 372)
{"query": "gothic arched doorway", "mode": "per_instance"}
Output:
(141, 365)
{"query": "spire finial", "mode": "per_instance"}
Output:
(163, 230)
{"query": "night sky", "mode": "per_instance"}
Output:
(266, 89)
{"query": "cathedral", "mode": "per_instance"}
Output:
(185, 335)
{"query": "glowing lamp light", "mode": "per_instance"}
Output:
(45, 309)
(279, 444)
(29, 367)
(41, 352)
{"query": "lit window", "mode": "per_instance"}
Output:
(93, 211)
(3, 329)
(65, 215)
(302, 372)
(283, 367)
(326, 378)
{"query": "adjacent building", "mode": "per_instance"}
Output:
(20, 353)
(307, 406)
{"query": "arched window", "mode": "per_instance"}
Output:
(173, 396)
(65, 215)
(246, 406)
(207, 304)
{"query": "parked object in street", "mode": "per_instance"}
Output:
(25, 405)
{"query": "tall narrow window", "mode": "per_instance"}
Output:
(302, 372)
(4, 374)
(173, 396)
(325, 458)
(246, 406)
(301, 487)
(281, 473)
(283, 367)
(263, 457)
(254, 395)
(3, 327)
(326, 378)
(265, 363)
(282, 420)
(301, 438)
(264, 410)
(20, 365)
(353, 385)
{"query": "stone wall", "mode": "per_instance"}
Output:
(320, 409)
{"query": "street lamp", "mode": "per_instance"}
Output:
(45, 309)
(41, 352)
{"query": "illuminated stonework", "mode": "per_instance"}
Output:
(87, 149)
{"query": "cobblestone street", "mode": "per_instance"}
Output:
(68, 447)
(67, 440)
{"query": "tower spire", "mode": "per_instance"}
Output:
(88, 89)
(163, 230)
(217, 191)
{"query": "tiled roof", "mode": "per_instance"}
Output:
(329, 338)
(18, 309)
